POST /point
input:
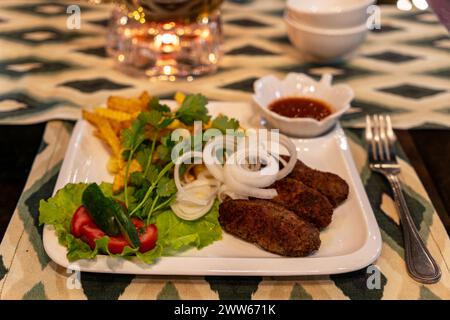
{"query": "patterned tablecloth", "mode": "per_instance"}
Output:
(48, 72)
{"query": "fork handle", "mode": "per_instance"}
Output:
(419, 262)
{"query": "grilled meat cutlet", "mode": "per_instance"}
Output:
(270, 226)
(307, 203)
(329, 184)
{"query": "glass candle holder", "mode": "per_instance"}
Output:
(166, 38)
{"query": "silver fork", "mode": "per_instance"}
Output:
(382, 158)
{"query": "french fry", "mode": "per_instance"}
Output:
(95, 119)
(119, 178)
(176, 124)
(105, 131)
(91, 117)
(113, 114)
(115, 164)
(118, 183)
(110, 121)
(110, 137)
(134, 166)
(98, 134)
(126, 124)
(129, 105)
(179, 97)
(145, 99)
(117, 127)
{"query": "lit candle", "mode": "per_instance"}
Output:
(167, 42)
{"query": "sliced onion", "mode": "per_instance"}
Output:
(181, 191)
(187, 205)
(234, 179)
(290, 147)
(193, 191)
(191, 211)
(244, 189)
(283, 162)
(210, 158)
(292, 150)
(259, 178)
(205, 174)
(189, 168)
(201, 182)
(225, 191)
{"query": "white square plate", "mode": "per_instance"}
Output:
(351, 242)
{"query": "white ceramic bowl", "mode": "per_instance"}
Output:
(329, 13)
(270, 88)
(324, 44)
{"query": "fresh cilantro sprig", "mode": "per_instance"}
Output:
(154, 188)
(154, 104)
(132, 138)
(165, 188)
(223, 123)
(159, 117)
(193, 109)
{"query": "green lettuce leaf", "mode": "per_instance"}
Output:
(174, 234)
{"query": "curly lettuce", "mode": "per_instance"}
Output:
(174, 234)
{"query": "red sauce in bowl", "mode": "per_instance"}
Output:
(301, 107)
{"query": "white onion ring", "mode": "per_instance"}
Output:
(201, 182)
(210, 160)
(292, 150)
(244, 189)
(189, 191)
(290, 147)
(205, 174)
(224, 191)
(181, 191)
(282, 161)
(187, 172)
(191, 212)
(260, 178)
(239, 182)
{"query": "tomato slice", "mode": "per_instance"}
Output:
(90, 233)
(84, 227)
(117, 244)
(138, 223)
(80, 219)
(147, 235)
(148, 239)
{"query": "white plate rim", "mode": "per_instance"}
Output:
(203, 266)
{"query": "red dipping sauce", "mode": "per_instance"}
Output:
(301, 107)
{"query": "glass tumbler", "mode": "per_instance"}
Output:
(165, 38)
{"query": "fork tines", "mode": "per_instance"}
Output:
(380, 138)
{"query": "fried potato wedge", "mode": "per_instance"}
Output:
(179, 97)
(128, 105)
(93, 118)
(119, 178)
(117, 127)
(145, 99)
(113, 114)
(115, 164)
(105, 130)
